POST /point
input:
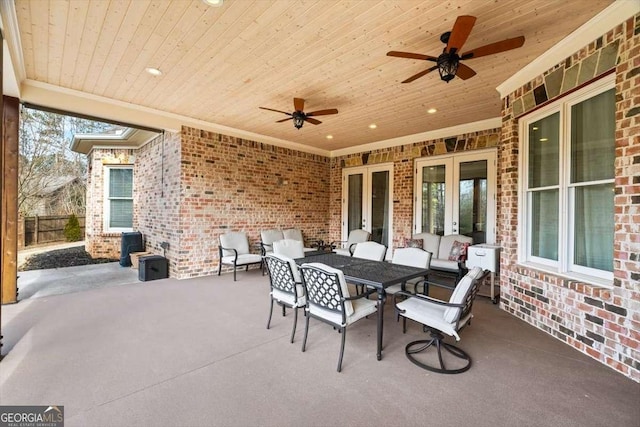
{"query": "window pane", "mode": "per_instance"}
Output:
(544, 224)
(592, 138)
(594, 226)
(120, 182)
(121, 215)
(433, 199)
(543, 152)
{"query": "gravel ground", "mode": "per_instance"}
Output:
(61, 258)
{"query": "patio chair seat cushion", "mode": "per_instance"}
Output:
(428, 313)
(290, 299)
(243, 259)
(444, 264)
(361, 308)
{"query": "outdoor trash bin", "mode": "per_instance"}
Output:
(131, 242)
(152, 267)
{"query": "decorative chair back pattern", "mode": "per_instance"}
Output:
(326, 288)
(281, 275)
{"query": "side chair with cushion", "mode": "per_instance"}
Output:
(328, 300)
(234, 250)
(296, 234)
(286, 286)
(267, 237)
(412, 257)
(289, 248)
(440, 318)
(346, 248)
(370, 250)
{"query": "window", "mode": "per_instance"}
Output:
(118, 214)
(567, 164)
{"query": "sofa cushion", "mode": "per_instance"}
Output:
(431, 243)
(446, 242)
(413, 243)
(458, 251)
(444, 264)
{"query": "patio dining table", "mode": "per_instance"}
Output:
(375, 274)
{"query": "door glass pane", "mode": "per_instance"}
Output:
(592, 138)
(543, 152)
(594, 226)
(544, 224)
(380, 207)
(433, 199)
(473, 200)
(354, 206)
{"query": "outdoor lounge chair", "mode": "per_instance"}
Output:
(346, 248)
(234, 250)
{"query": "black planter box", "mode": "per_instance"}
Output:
(152, 267)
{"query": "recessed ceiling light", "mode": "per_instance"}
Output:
(432, 110)
(544, 139)
(373, 126)
(153, 71)
(329, 136)
(214, 3)
(535, 128)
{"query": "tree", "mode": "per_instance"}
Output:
(72, 230)
(46, 156)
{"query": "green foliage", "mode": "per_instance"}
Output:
(72, 230)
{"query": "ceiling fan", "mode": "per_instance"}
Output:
(299, 116)
(448, 63)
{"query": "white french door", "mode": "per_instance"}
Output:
(455, 194)
(367, 201)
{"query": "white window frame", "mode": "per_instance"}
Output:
(107, 199)
(564, 266)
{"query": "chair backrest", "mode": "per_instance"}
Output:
(325, 288)
(370, 250)
(358, 236)
(289, 248)
(283, 273)
(267, 237)
(430, 243)
(234, 240)
(293, 234)
(464, 293)
(412, 257)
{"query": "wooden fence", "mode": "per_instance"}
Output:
(36, 230)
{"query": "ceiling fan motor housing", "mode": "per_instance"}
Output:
(298, 119)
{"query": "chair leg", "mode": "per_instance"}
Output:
(437, 342)
(270, 314)
(295, 322)
(234, 271)
(219, 267)
(404, 325)
(306, 331)
(284, 311)
(344, 335)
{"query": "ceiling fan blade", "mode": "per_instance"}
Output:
(420, 74)
(460, 32)
(412, 55)
(497, 47)
(464, 72)
(277, 111)
(312, 120)
(298, 104)
(323, 112)
(284, 120)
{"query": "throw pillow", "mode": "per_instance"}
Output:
(413, 243)
(458, 251)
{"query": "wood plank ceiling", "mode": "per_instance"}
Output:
(221, 64)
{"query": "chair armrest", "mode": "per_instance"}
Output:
(352, 248)
(424, 298)
(264, 247)
(335, 243)
(221, 248)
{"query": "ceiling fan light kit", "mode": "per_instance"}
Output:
(448, 63)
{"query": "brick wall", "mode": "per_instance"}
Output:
(156, 196)
(603, 323)
(232, 184)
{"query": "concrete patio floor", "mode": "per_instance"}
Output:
(196, 353)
